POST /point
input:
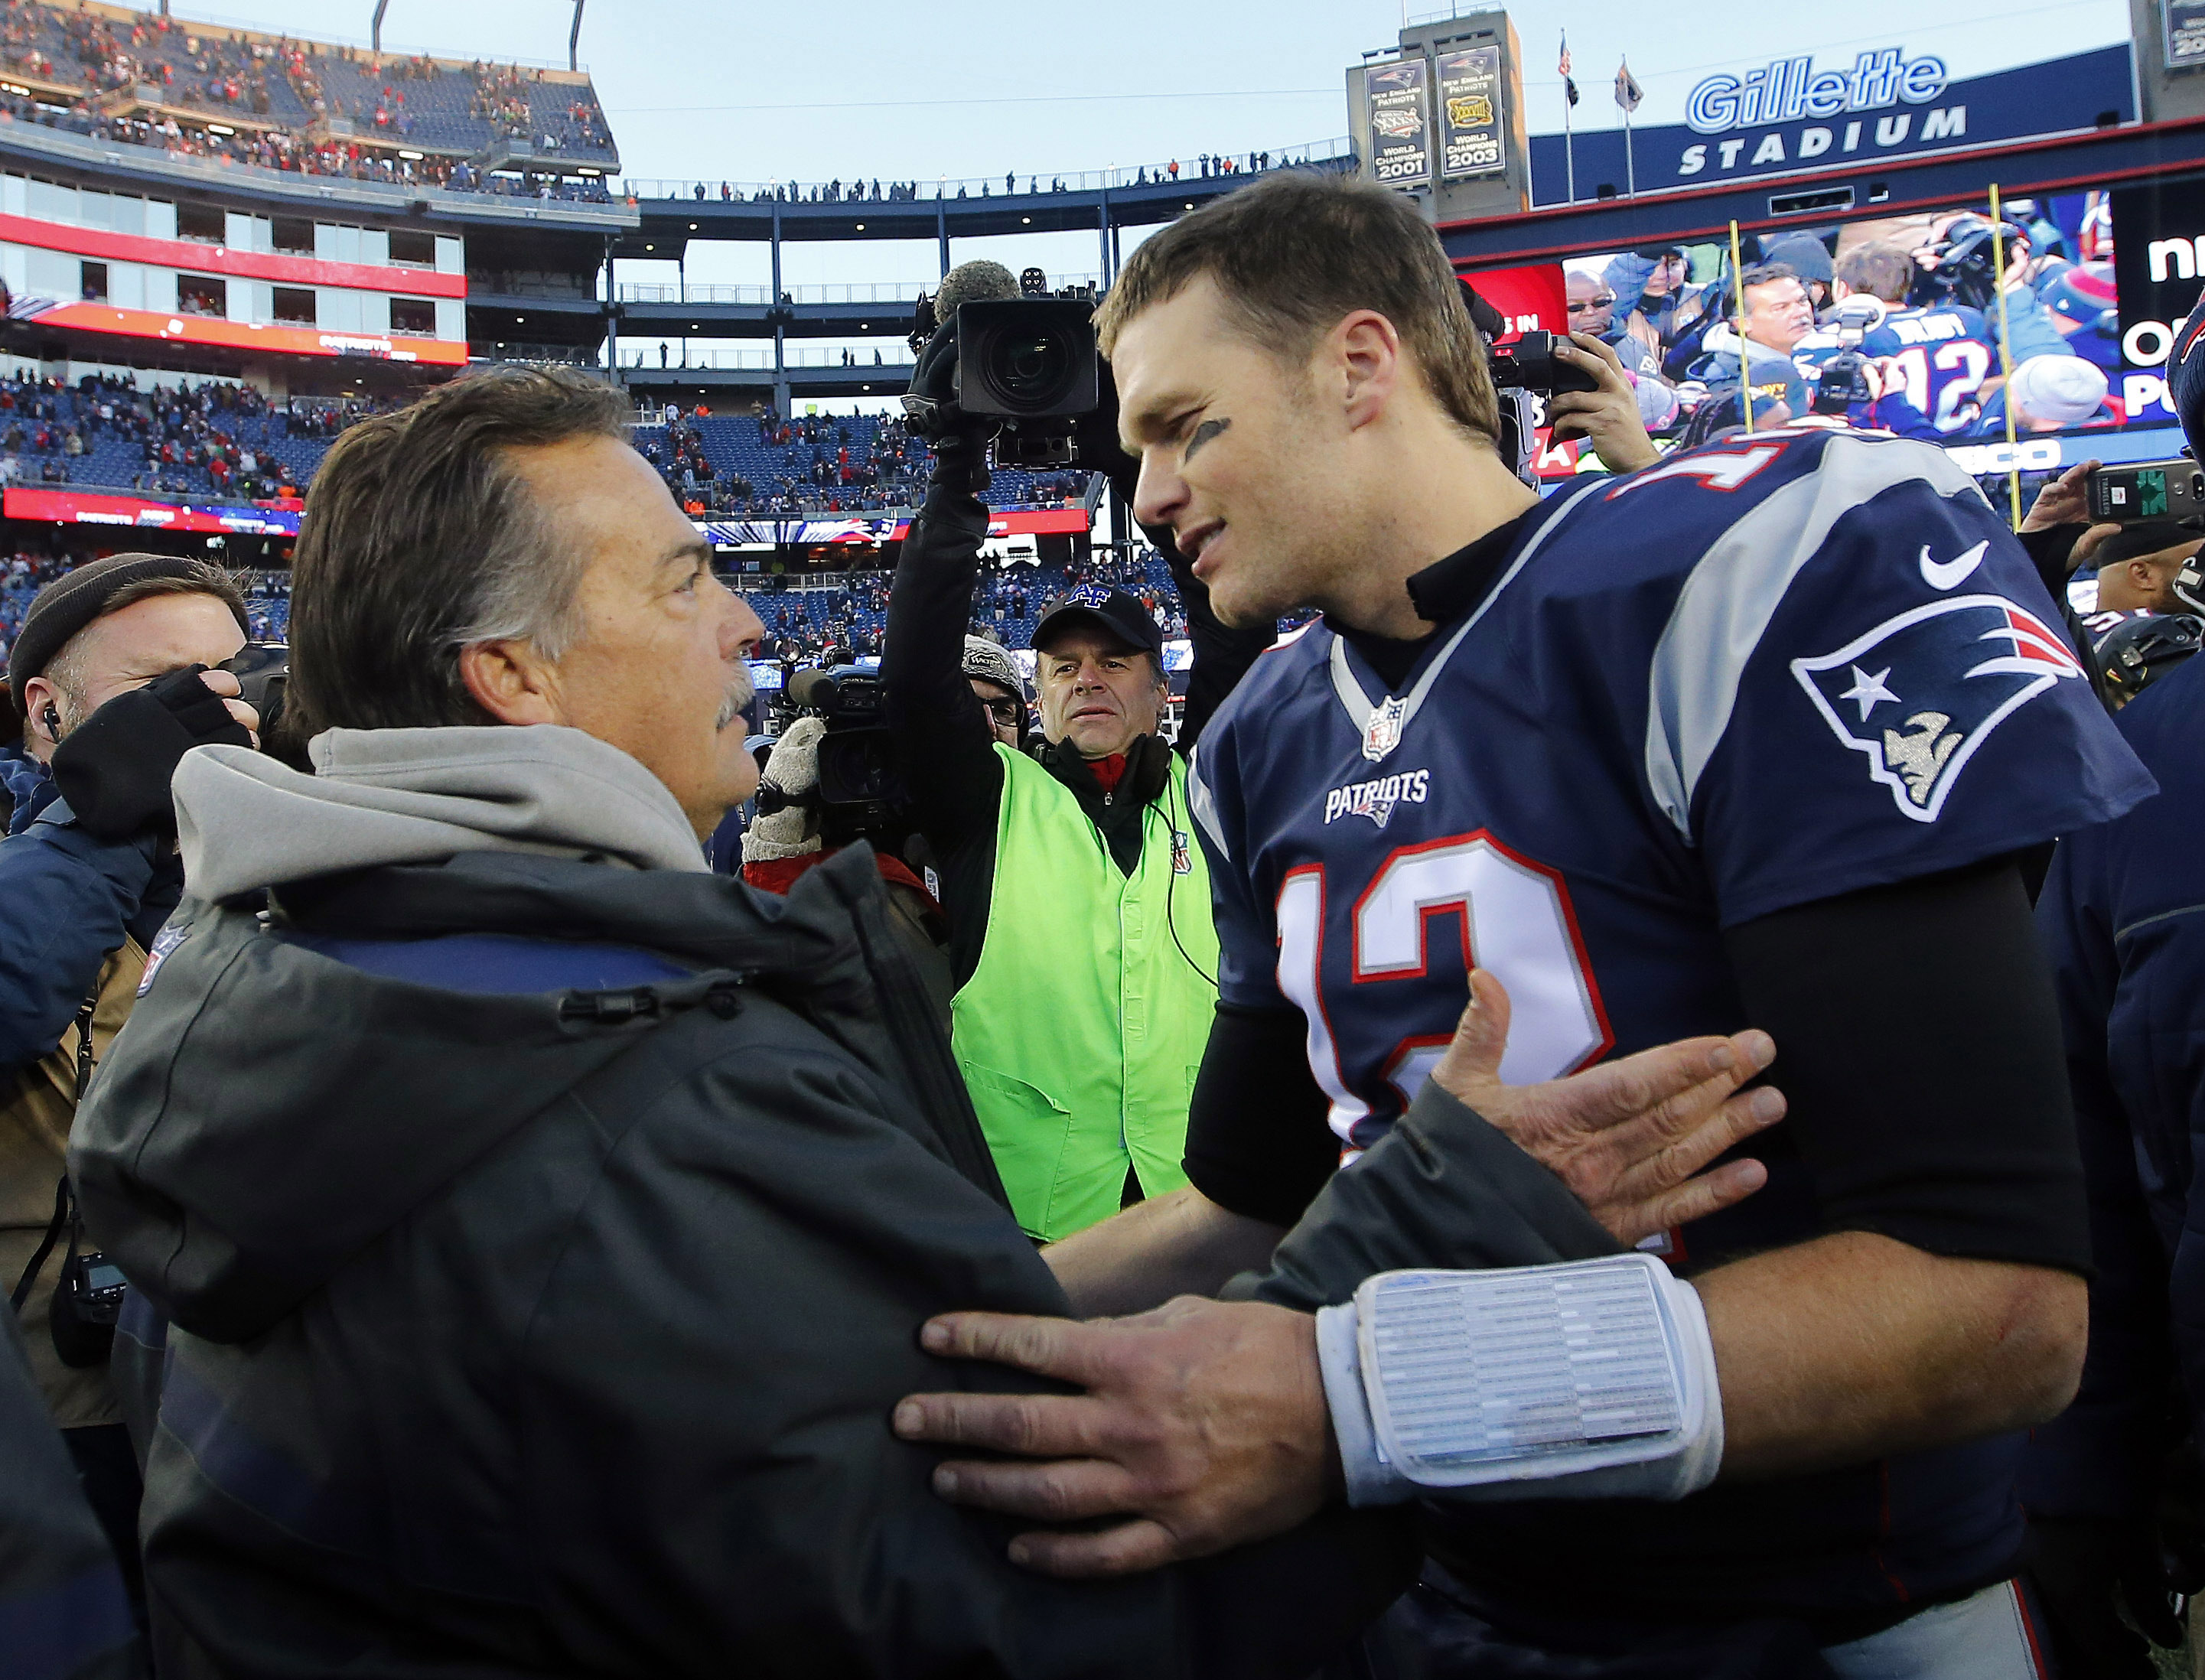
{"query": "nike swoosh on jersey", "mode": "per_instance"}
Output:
(1944, 574)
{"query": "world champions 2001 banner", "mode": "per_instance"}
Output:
(1398, 136)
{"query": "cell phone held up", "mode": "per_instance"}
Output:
(2151, 489)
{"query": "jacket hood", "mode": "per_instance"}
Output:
(416, 796)
(271, 1110)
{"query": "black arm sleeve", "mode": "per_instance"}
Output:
(1918, 1044)
(941, 736)
(1222, 654)
(1441, 1189)
(1258, 1142)
(2053, 550)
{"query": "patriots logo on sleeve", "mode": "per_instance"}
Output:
(1921, 692)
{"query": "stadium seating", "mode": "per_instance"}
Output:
(780, 475)
(456, 109)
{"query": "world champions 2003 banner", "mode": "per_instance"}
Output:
(1470, 113)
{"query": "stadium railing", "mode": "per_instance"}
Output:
(877, 292)
(892, 354)
(1042, 182)
(389, 198)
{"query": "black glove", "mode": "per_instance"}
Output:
(114, 767)
(960, 441)
(2081, 1568)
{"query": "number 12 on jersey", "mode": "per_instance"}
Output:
(1514, 920)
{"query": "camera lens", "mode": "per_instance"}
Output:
(1033, 370)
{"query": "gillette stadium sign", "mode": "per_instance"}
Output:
(1791, 88)
(1803, 113)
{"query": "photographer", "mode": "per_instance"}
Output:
(112, 686)
(1080, 907)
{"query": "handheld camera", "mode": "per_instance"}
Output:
(860, 795)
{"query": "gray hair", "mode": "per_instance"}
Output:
(421, 538)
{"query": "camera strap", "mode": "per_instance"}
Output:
(84, 1015)
(65, 1213)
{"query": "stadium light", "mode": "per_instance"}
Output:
(411, 157)
(1026, 219)
(220, 128)
(692, 227)
(861, 227)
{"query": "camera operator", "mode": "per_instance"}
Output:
(1081, 942)
(112, 686)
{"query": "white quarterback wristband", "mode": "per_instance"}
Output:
(1591, 1379)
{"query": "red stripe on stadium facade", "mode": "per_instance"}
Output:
(200, 257)
(279, 340)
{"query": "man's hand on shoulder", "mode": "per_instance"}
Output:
(1203, 1426)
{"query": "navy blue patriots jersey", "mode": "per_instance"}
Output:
(1769, 672)
(1938, 359)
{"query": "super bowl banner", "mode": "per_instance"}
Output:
(2184, 39)
(1470, 113)
(1812, 111)
(1398, 140)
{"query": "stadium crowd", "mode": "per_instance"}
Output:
(1242, 1145)
(288, 101)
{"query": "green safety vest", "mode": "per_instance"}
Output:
(1081, 1029)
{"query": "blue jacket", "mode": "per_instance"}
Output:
(67, 901)
(2123, 917)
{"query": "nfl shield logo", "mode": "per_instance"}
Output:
(1383, 732)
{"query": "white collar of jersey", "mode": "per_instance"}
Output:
(1359, 706)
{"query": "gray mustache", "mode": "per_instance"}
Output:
(739, 694)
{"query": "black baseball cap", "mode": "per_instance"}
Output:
(1120, 614)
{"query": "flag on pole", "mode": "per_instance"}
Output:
(1628, 93)
(1569, 83)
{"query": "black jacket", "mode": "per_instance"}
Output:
(553, 1327)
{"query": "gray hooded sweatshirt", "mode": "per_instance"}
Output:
(545, 1224)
